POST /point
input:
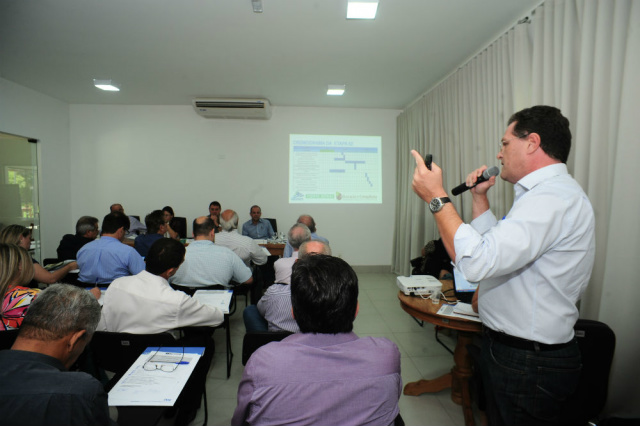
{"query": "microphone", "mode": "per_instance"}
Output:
(486, 175)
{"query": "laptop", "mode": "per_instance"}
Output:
(463, 289)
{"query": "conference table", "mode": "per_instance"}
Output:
(458, 378)
(275, 249)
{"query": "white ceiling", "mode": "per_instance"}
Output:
(166, 52)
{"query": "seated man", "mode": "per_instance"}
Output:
(273, 311)
(102, 261)
(214, 214)
(36, 387)
(146, 304)
(87, 230)
(245, 247)
(305, 219)
(324, 375)
(297, 235)
(208, 264)
(156, 228)
(135, 226)
(257, 228)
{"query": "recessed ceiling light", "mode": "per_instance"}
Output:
(362, 9)
(257, 6)
(106, 85)
(336, 90)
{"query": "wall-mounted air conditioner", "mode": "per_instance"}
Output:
(233, 108)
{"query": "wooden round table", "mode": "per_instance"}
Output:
(458, 378)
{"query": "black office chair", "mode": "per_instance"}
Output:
(274, 224)
(7, 337)
(116, 352)
(253, 340)
(179, 224)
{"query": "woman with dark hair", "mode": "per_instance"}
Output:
(176, 228)
(21, 236)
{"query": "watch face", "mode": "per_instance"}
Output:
(435, 205)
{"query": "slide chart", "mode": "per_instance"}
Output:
(335, 169)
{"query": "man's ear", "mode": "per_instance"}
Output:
(75, 339)
(533, 139)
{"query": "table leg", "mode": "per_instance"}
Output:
(457, 379)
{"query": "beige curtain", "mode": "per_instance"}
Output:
(583, 57)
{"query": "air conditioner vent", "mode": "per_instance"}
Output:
(233, 108)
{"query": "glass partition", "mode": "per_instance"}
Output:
(19, 186)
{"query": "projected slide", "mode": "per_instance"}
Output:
(335, 169)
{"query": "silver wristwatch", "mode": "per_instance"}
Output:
(436, 204)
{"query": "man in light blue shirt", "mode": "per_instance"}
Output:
(207, 263)
(305, 219)
(257, 228)
(103, 260)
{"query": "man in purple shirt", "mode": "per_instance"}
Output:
(325, 375)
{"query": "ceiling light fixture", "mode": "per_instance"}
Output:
(257, 6)
(336, 90)
(106, 85)
(362, 9)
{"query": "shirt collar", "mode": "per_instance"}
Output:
(534, 178)
(321, 339)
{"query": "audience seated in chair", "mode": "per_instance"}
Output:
(156, 228)
(35, 386)
(299, 380)
(257, 228)
(305, 219)
(106, 259)
(87, 230)
(145, 303)
(208, 264)
(21, 236)
(273, 311)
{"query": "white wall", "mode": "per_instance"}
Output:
(146, 157)
(31, 114)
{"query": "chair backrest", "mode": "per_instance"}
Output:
(274, 224)
(597, 345)
(7, 337)
(253, 340)
(179, 224)
(116, 352)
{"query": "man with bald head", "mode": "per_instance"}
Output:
(305, 219)
(135, 226)
(245, 247)
(207, 264)
(297, 235)
(273, 311)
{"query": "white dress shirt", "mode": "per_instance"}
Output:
(146, 304)
(245, 247)
(533, 265)
(283, 267)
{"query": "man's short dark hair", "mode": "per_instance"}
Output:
(154, 221)
(86, 224)
(550, 124)
(215, 203)
(306, 219)
(203, 229)
(114, 221)
(324, 294)
(166, 253)
(58, 310)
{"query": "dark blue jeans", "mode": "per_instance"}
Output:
(527, 387)
(253, 321)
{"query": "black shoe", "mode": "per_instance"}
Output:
(185, 417)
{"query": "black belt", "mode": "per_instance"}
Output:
(519, 343)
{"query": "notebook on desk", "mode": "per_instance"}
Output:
(463, 289)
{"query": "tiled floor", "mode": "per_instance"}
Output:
(380, 316)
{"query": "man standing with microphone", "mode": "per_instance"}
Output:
(532, 266)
